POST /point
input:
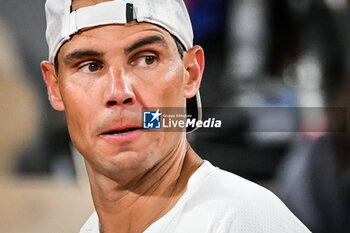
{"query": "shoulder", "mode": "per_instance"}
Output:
(91, 225)
(240, 205)
(214, 184)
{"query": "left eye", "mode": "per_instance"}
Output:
(91, 67)
(144, 61)
(149, 60)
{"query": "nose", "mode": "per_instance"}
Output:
(118, 90)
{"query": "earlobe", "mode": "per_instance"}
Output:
(194, 65)
(51, 81)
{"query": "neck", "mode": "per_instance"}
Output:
(134, 206)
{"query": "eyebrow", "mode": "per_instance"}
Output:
(146, 41)
(81, 54)
(91, 53)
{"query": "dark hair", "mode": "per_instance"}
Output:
(180, 49)
(55, 62)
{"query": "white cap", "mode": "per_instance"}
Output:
(63, 23)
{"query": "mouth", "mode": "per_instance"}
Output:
(121, 131)
(122, 135)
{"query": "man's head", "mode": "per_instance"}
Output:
(107, 74)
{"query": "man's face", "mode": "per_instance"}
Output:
(106, 76)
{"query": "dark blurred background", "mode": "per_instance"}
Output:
(276, 53)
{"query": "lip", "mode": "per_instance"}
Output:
(122, 134)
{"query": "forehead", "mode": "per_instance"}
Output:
(120, 32)
(84, 3)
(103, 38)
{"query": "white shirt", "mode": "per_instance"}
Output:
(217, 201)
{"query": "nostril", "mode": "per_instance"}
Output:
(111, 103)
(127, 101)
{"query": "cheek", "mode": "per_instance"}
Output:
(79, 94)
(80, 109)
(162, 87)
(174, 86)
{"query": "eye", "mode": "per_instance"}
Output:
(145, 61)
(90, 67)
(149, 60)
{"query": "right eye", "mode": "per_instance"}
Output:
(90, 67)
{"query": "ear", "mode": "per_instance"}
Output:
(194, 65)
(51, 81)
